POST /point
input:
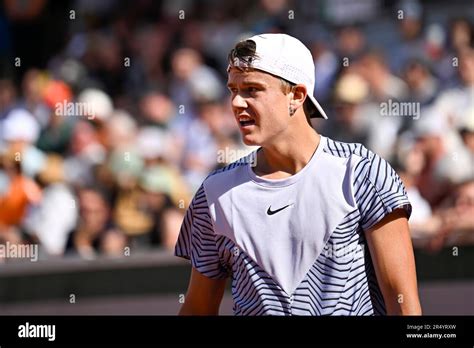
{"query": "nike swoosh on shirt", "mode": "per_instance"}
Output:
(271, 212)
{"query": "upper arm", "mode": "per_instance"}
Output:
(391, 251)
(378, 190)
(384, 207)
(204, 295)
(197, 242)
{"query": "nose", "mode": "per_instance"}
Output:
(238, 102)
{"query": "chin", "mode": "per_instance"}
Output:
(249, 141)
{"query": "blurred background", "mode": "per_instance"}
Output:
(112, 113)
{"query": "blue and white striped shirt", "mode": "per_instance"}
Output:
(295, 246)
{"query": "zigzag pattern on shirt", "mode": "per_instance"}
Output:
(342, 279)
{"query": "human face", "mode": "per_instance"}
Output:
(465, 198)
(259, 105)
(466, 66)
(93, 211)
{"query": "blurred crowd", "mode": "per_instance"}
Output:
(112, 113)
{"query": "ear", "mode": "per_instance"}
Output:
(299, 94)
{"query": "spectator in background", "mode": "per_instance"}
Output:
(275, 16)
(198, 148)
(219, 122)
(351, 44)
(86, 152)
(33, 86)
(57, 129)
(455, 109)
(56, 214)
(382, 82)
(20, 162)
(155, 147)
(461, 34)
(17, 193)
(105, 64)
(460, 218)
(157, 109)
(430, 133)
(122, 166)
(95, 233)
(88, 143)
(453, 102)
(148, 45)
(384, 87)
(326, 65)
(458, 165)
(120, 132)
(20, 131)
(148, 212)
(423, 87)
(156, 184)
(151, 191)
(411, 42)
(455, 218)
(191, 80)
(411, 161)
(7, 97)
(460, 37)
(347, 125)
(98, 107)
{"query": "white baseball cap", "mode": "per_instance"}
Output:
(20, 124)
(284, 56)
(98, 101)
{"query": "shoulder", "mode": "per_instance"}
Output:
(376, 187)
(368, 167)
(355, 155)
(232, 167)
(344, 150)
(229, 174)
(220, 180)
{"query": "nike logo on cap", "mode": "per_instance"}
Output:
(271, 212)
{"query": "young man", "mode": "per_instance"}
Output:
(305, 225)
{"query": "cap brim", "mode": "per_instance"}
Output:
(320, 112)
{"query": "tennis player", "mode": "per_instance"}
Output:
(305, 225)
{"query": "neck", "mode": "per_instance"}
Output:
(287, 157)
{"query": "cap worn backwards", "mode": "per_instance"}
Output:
(284, 56)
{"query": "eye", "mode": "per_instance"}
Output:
(233, 90)
(252, 89)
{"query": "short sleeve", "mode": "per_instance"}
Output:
(197, 240)
(378, 190)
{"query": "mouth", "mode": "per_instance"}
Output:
(245, 121)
